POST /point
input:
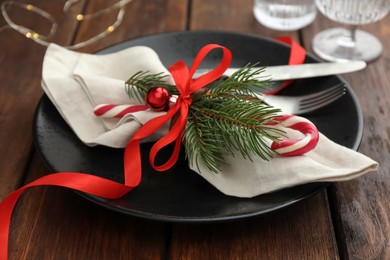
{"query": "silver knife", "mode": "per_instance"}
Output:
(308, 70)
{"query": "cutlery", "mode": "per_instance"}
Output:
(308, 70)
(305, 103)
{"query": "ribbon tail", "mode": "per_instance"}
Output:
(77, 181)
(174, 156)
(6, 210)
(132, 163)
(132, 156)
(174, 135)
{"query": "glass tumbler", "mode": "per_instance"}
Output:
(285, 15)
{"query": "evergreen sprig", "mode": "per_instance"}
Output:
(138, 84)
(247, 80)
(227, 117)
(224, 117)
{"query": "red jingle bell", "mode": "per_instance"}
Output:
(157, 99)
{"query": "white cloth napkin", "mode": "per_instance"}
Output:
(77, 82)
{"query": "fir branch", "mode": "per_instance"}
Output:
(228, 117)
(229, 126)
(247, 79)
(138, 84)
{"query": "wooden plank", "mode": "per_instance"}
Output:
(20, 76)
(53, 223)
(302, 231)
(293, 233)
(362, 207)
(142, 18)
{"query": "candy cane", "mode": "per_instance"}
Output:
(284, 147)
(116, 111)
(287, 147)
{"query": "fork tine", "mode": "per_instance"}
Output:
(306, 103)
(321, 101)
(323, 97)
(324, 93)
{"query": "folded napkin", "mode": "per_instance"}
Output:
(77, 82)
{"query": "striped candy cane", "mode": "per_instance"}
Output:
(287, 147)
(284, 147)
(116, 111)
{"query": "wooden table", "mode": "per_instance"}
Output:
(348, 220)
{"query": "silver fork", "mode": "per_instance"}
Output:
(305, 103)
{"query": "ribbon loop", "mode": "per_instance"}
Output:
(214, 74)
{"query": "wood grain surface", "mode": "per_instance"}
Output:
(361, 207)
(349, 220)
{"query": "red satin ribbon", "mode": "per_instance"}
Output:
(132, 161)
(297, 56)
(78, 181)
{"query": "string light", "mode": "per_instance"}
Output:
(43, 40)
(31, 34)
(81, 17)
(109, 29)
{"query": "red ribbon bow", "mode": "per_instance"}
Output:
(186, 86)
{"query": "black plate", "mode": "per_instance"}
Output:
(181, 195)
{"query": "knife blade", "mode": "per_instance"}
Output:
(308, 70)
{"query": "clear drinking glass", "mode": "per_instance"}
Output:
(340, 44)
(285, 15)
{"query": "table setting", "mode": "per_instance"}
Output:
(125, 163)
